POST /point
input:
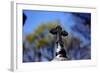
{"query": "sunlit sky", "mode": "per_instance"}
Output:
(36, 18)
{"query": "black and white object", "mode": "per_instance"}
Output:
(60, 53)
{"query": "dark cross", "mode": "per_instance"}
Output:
(58, 32)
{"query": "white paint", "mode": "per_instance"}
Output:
(58, 48)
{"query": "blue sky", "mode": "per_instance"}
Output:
(36, 18)
(71, 22)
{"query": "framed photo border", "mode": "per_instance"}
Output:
(17, 66)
